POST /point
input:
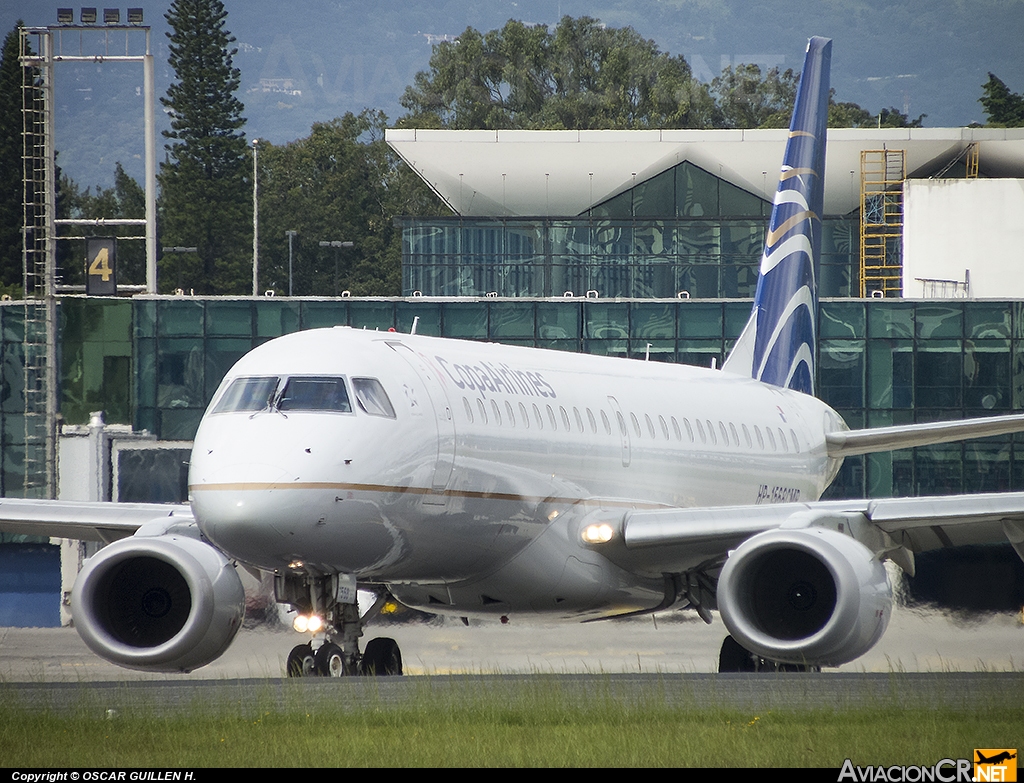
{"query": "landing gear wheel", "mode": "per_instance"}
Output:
(301, 662)
(381, 658)
(735, 658)
(329, 660)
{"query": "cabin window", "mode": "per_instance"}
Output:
(796, 443)
(483, 410)
(711, 432)
(509, 414)
(372, 398)
(700, 431)
(771, 438)
(248, 394)
(565, 418)
(782, 441)
(579, 419)
(606, 424)
(675, 429)
(746, 436)
(760, 440)
(622, 424)
(537, 417)
(496, 412)
(524, 417)
(592, 421)
(552, 419)
(725, 433)
(635, 423)
(664, 426)
(469, 410)
(689, 429)
(650, 425)
(735, 435)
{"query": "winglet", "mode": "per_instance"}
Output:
(778, 344)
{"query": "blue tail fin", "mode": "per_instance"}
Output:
(778, 344)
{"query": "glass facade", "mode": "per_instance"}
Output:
(682, 230)
(156, 362)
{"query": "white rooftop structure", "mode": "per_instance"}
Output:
(509, 173)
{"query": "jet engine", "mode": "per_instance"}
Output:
(805, 596)
(163, 603)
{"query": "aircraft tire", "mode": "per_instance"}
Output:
(734, 658)
(381, 658)
(301, 662)
(329, 660)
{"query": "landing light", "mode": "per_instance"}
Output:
(307, 623)
(598, 533)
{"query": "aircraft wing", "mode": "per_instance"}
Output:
(674, 540)
(849, 443)
(82, 520)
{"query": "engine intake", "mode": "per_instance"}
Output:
(808, 596)
(166, 603)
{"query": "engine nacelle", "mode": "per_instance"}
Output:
(164, 603)
(808, 596)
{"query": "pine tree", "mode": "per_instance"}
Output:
(1005, 109)
(204, 187)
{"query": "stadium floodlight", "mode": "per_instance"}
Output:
(65, 16)
(88, 16)
(111, 16)
(134, 16)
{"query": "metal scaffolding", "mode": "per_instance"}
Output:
(881, 222)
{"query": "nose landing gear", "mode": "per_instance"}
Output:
(339, 654)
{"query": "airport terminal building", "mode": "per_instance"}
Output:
(641, 244)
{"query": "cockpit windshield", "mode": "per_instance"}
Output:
(248, 394)
(315, 394)
(304, 393)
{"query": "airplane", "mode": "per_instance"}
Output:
(483, 480)
(999, 758)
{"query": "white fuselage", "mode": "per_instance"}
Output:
(471, 495)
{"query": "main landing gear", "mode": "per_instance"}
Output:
(735, 658)
(328, 606)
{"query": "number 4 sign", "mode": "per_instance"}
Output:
(101, 266)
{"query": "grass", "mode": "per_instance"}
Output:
(536, 724)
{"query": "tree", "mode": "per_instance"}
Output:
(746, 99)
(1005, 109)
(204, 187)
(580, 75)
(341, 183)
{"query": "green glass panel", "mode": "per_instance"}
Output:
(742, 241)
(180, 317)
(696, 192)
(841, 373)
(841, 319)
(613, 239)
(179, 424)
(890, 373)
(700, 281)
(837, 280)
(607, 347)
(655, 197)
(890, 319)
(654, 238)
(116, 321)
(570, 238)
(144, 314)
(938, 373)
(699, 319)
(987, 465)
(429, 314)
(936, 320)
(620, 206)
(524, 240)
(231, 318)
(465, 319)
(653, 350)
(699, 353)
(605, 320)
(938, 470)
(512, 320)
(371, 315)
(316, 315)
(559, 321)
(987, 375)
(739, 281)
(736, 316)
(221, 355)
(145, 373)
(653, 320)
(734, 201)
(274, 318)
(180, 374)
(983, 320)
(699, 241)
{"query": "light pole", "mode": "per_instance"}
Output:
(290, 235)
(337, 244)
(255, 221)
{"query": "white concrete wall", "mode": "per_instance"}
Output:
(953, 225)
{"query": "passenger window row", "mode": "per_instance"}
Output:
(669, 429)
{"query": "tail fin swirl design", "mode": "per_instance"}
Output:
(778, 344)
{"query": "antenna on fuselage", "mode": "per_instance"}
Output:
(415, 323)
